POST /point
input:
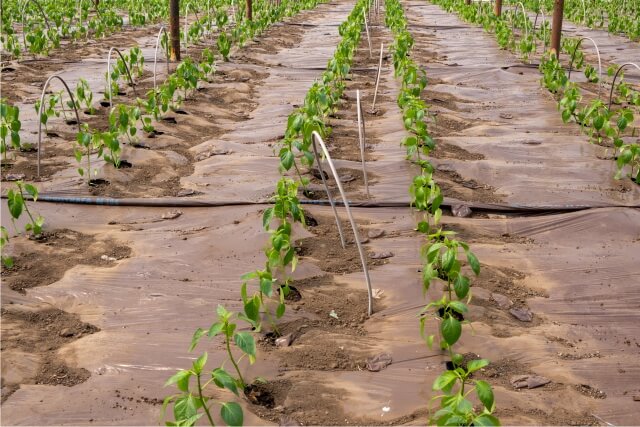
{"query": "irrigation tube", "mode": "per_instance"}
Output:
(155, 56)
(126, 67)
(361, 137)
(73, 101)
(573, 55)
(316, 137)
(375, 93)
(613, 84)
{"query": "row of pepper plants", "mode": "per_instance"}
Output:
(443, 255)
(617, 16)
(124, 120)
(48, 22)
(609, 126)
(263, 291)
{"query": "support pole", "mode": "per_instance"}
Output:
(174, 29)
(556, 26)
(249, 10)
(497, 8)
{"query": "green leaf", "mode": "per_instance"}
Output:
(286, 158)
(461, 286)
(475, 365)
(196, 338)
(224, 380)
(231, 413)
(445, 381)
(458, 306)
(280, 310)
(215, 329)
(485, 394)
(246, 343)
(486, 420)
(473, 262)
(451, 330)
(198, 365)
(181, 379)
(267, 216)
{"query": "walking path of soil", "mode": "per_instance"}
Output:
(575, 272)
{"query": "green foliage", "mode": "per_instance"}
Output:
(10, 126)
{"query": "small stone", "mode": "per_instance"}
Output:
(186, 192)
(14, 177)
(284, 341)
(171, 215)
(107, 258)
(523, 314)
(461, 211)
(381, 255)
(379, 362)
(347, 178)
(529, 381)
(288, 422)
(502, 301)
(375, 233)
(506, 116)
(636, 398)
(334, 365)
(66, 333)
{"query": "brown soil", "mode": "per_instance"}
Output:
(44, 261)
(326, 248)
(450, 151)
(40, 333)
(504, 280)
(352, 181)
(454, 185)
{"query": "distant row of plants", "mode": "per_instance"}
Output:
(444, 256)
(613, 126)
(48, 22)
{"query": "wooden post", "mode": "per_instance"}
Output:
(249, 10)
(497, 8)
(174, 29)
(556, 26)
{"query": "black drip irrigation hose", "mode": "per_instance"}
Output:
(192, 203)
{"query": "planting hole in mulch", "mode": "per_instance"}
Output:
(292, 295)
(171, 120)
(181, 112)
(125, 164)
(52, 134)
(454, 314)
(71, 122)
(98, 182)
(268, 394)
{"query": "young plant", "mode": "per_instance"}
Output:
(10, 126)
(191, 403)
(84, 96)
(224, 45)
(17, 204)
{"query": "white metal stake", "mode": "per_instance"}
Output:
(361, 137)
(155, 56)
(366, 26)
(375, 93)
(316, 137)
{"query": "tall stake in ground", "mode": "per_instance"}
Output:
(249, 10)
(174, 29)
(497, 8)
(556, 26)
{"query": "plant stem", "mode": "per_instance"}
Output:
(204, 404)
(235, 365)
